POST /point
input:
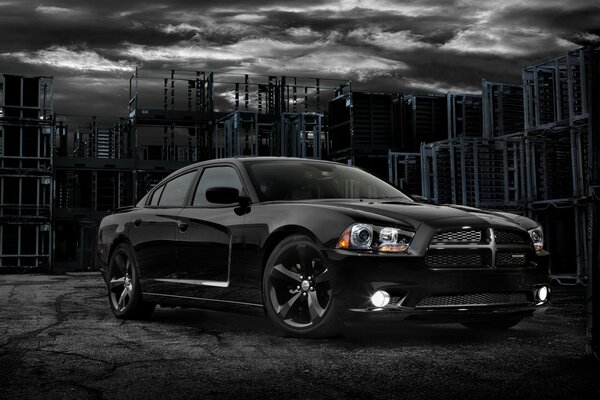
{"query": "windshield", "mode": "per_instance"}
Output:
(307, 180)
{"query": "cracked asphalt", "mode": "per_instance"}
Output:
(59, 340)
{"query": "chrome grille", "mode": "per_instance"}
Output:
(511, 258)
(469, 259)
(479, 299)
(463, 236)
(510, 237)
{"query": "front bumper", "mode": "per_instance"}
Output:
(441, 316)
(434, 295)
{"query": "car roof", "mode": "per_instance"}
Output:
(242, 160)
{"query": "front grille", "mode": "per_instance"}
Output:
(483, 248)
(469, 259)
(457, 237)
(511, 258)
(479, 299)
(511, 237)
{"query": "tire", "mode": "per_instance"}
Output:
(124, 291)
(297, 290)
(499, 325)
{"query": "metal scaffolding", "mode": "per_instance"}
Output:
(363, 127)
(502, 109)
(302, 135)
(464, 115)
(555, 91)
(237, 135)
(427, 119)
(523, 148)
(174, 119)
(476, 172)
(558, 136)
(405, 171)
(534, 157)
(26, 119)
(592, 183)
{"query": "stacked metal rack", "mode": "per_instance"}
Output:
(427, 118)
(94, 172)
(363, 126)
(532, 157)
(404, 171)
(464, 115)
(26, 119)
(557, 134)
(230, 115)
(485, 151)
(502, 106)
(102, 163)
(477, 172)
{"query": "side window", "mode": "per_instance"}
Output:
(156, 196)
(213, 177)
(175, 190)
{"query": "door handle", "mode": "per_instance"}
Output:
(137, 221)
(182, 226)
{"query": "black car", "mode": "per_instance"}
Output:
(317, 244)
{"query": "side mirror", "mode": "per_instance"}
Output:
(223, 195)
(421, 199)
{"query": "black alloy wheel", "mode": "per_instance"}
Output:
(297, 290)
(124, 292)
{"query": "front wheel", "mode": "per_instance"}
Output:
(298, 291)
(124, 291)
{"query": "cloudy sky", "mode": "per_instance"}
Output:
(414, 46)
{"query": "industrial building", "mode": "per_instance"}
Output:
(520, 148)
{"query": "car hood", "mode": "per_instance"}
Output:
(436, 216)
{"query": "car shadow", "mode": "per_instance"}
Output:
(442, 334)
(368, 335)
(210, 320)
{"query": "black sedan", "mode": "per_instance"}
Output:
(317, 244)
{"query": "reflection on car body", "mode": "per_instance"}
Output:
(317, 244)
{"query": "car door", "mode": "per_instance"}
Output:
(209, 240)
(153, 232)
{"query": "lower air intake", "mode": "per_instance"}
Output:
(479, 299)
(470, 259)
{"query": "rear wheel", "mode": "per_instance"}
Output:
(491, 325)
(124, 292)
(298, 292)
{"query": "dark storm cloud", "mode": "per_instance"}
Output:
(577, 24)
(552, 18)
(382, 45)
(37, 27)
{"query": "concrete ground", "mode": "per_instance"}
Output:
(59, 339)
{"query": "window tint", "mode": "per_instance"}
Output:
(215, 177)
(156, 196)
(175, 190)
(302, 180)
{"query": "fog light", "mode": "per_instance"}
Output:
(381, 298)
(542, 293)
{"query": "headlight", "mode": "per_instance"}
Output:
(375, 238)
(537, 236)
(361, 236)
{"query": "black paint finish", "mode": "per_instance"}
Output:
(214, 256)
